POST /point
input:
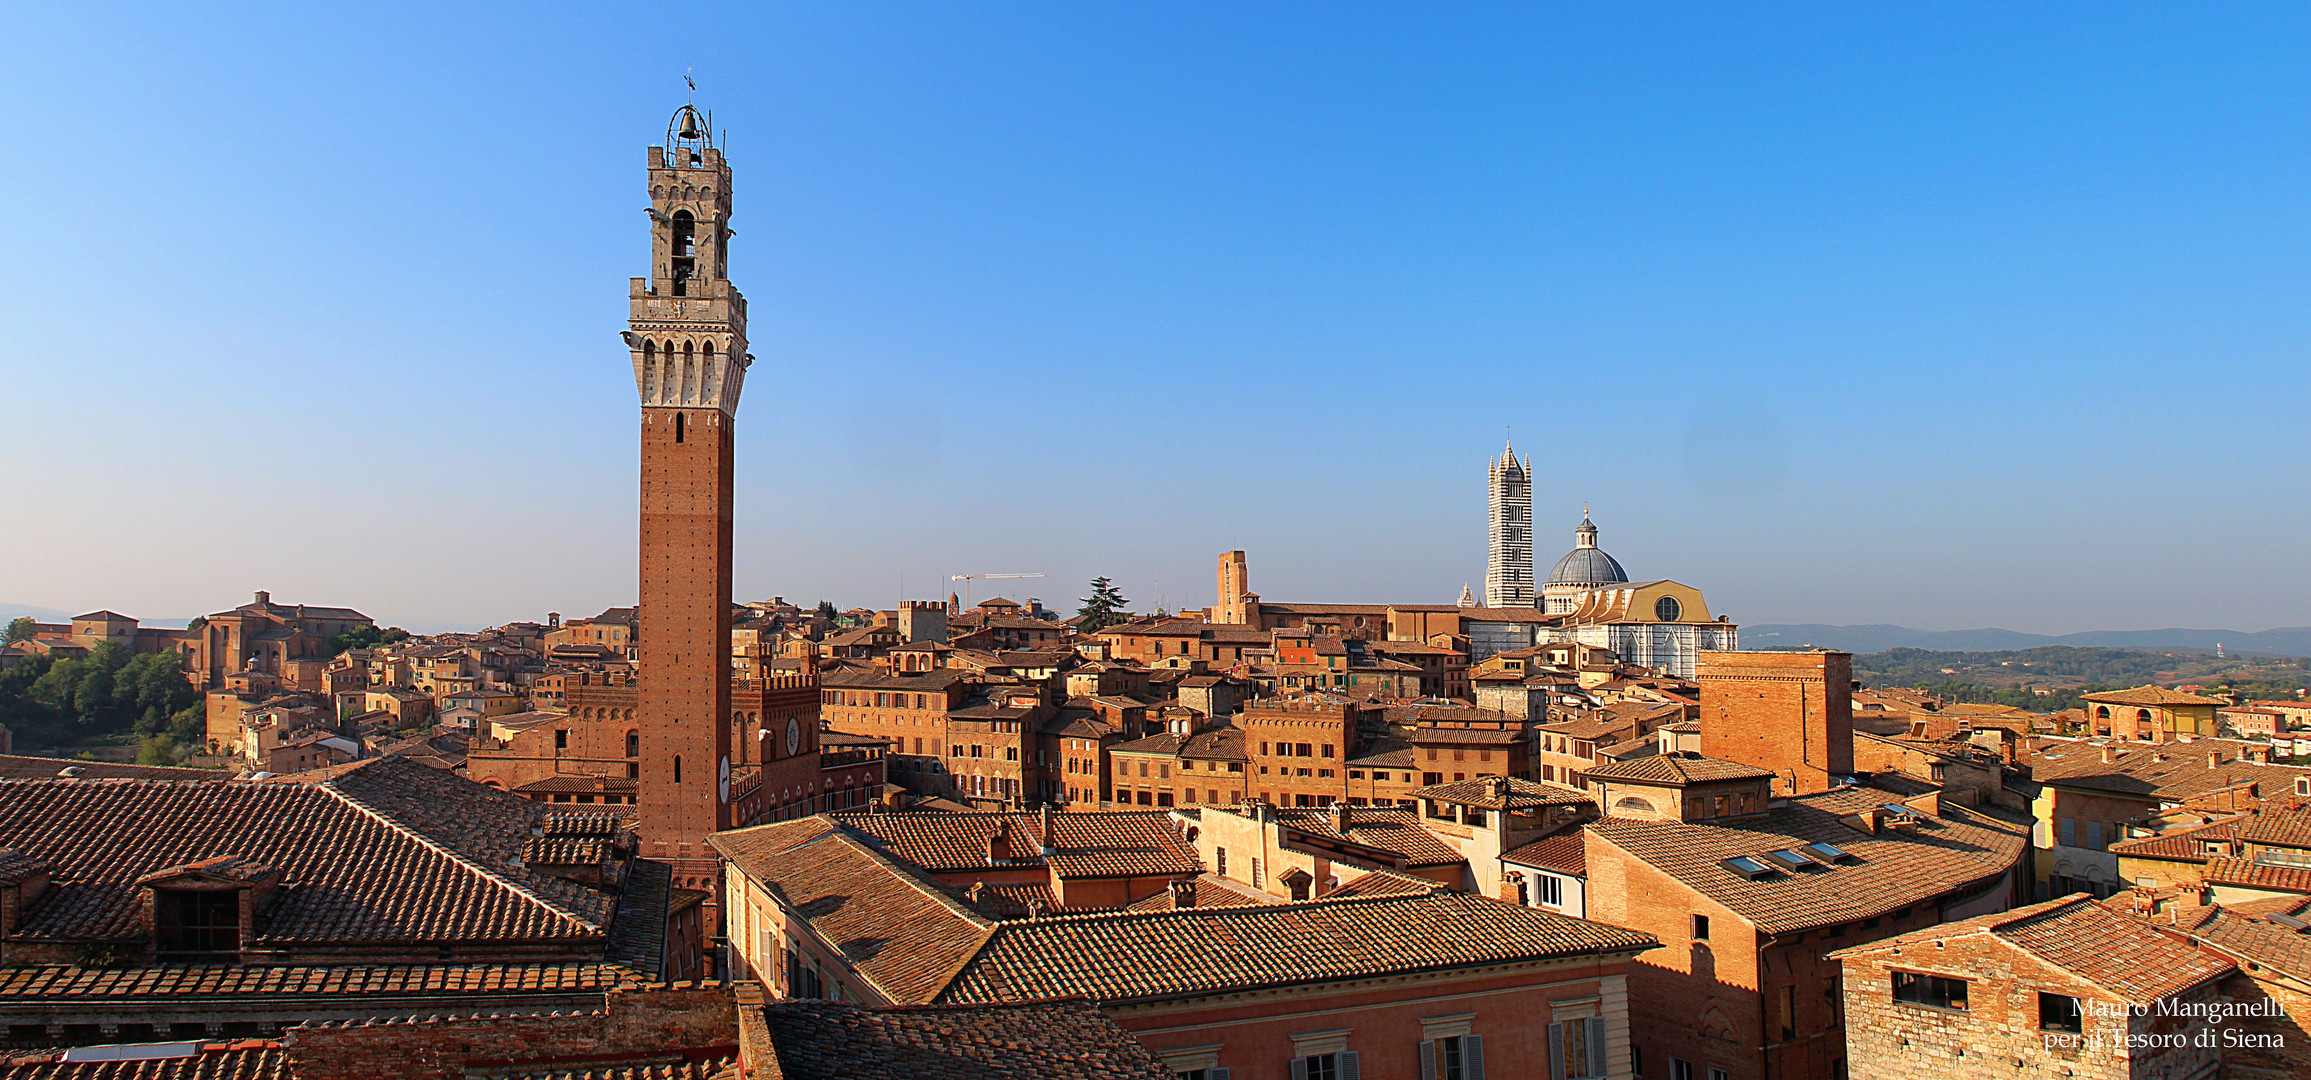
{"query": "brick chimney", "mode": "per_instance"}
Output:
(2214, 759)
(2109, 753)
(1340, 817)
(999, 844)
(1049, 841)
(1183, 892)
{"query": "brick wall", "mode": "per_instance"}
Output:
(675, 1022)
(1997, 1034)
(1788, 712)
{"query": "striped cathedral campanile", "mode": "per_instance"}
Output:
(1508, 575)
(688, 336)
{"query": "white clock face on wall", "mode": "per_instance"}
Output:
(793, 736)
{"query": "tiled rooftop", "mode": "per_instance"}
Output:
(384, 850)
(52, 983)
(1505, 793)
(1890, 870)
(1141, 956)
(1059, 1040)
(903, 934)
(1091, 844)
(2128, 958)
(1677, 769)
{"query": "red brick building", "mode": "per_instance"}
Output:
(1400, 984)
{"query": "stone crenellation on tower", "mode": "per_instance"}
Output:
(1508, 579)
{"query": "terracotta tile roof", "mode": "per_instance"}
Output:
(1218, 744)
(2183, 845)
(2246, 931)
(1084, 845)
(1060, 1040)
(14, 767)
(384, 850)
(904, 935)
(1505, 793)
(2171, 772)
(1390, 830)
(1143, 956)
(1384, 883)
(1564, 852)
(1438, 736)
(2286, 824)
(1676, 769)
(1891, 869)
(2249, 874)
(2147, 695)
(1209, 891)
(244, 1060)
(2076, 934)
(219, 984)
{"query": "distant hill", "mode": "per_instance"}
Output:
(2287, 641)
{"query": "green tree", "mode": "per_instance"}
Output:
(826, 609)
(1105, 606)
(157, 750)
(362, 637)
(19, 629)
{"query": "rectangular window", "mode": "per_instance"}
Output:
(1788, 1012)
(197, 920)
(1932, 991)
(1681, 1069)
(1552, 890)
(561, 738)
(2069, 832)
(1701, 928)
(2094, 835)
(2060, 1012)
(1577, 1048)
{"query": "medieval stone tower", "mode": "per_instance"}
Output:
(687, 332)
(1508, 576)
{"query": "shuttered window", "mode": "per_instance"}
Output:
(1460, 1057)
(1577, 1049)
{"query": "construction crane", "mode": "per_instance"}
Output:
(967, 579)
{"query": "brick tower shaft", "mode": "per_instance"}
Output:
(687, 334)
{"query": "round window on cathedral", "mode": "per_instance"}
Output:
(1666, 609)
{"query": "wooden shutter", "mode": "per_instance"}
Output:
(1347, 1061)
(1427, 1060)
(1299, 1069)
(1556, 1052)
(1472, 1057)
(1596, 1046)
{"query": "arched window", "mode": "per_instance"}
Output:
(685, 251)
(1633, 803)
(677, 768)
(2143, 715)
(633, 744)
(2102, 712)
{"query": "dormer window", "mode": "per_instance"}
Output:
(197, 922)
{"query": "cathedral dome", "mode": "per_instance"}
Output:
(1587, 564)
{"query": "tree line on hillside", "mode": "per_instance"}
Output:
(111, 693)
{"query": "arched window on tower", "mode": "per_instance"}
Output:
(677, 427)
(685, 251)
(677, 768)
(651, 379)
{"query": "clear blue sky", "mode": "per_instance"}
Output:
(1938, 315)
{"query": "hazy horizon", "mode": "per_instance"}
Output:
(1968, 318)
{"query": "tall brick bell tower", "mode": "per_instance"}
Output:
(688, 336)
